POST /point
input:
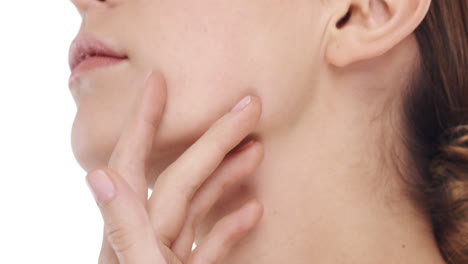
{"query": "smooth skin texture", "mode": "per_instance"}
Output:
(329, 90)
(141, 231)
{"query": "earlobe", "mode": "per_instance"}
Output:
(365, 29)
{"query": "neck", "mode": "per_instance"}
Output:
(326, 200)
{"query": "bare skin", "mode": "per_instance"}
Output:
(161, 229)
(328, 119)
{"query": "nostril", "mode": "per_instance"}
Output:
(344, 20)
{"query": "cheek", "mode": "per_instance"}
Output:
(191, 108)
(206, 73)
(209, 60)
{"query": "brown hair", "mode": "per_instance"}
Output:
(436, 118)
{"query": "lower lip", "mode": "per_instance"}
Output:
(93, 63)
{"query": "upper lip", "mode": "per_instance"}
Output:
(83, 47)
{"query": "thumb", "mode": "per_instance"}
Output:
(126, 223)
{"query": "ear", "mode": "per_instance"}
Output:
(365, 29)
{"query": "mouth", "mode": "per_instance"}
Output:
(88, 53)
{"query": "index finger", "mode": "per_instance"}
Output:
(133, 148)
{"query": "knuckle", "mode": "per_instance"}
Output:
(187, 190)
(121, 239)
(163, 237)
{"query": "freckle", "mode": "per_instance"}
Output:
(403, 246)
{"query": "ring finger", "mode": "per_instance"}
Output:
(235, 168)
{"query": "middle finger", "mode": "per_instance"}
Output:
(180, 181)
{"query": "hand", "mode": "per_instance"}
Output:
(161, 230)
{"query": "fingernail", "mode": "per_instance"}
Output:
(242, 104)
(101, 186)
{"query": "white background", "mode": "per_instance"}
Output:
(47, 214)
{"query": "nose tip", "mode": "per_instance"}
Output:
(83, 5)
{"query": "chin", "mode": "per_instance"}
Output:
(92, 143)
(94, 137)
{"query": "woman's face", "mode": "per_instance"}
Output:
(211, 53)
